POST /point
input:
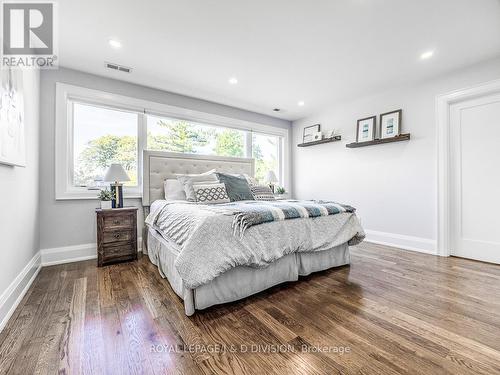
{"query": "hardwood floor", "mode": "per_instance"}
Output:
(390, 312)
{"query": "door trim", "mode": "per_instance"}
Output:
(443, 103)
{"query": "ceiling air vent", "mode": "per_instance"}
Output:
(117, 67)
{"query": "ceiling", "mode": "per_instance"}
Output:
(281, 51)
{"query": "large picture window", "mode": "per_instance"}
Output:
(176, 135)
(102, 136)
(95, 129)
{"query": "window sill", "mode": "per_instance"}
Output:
(75, 197)
(91, 195)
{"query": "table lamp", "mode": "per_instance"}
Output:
(271, 179)
(116, 174)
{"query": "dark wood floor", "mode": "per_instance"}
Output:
(390, 312)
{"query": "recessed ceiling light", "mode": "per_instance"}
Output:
(426, 55)
(301, 103)
(115, 43)
(233, 80)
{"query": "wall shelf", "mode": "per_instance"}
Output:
(324, 140)
(399, 138)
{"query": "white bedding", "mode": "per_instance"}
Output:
(207, 246)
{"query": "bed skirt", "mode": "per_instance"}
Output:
(239, 282)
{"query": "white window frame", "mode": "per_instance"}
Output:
(66, 94)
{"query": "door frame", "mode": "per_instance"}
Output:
(443, 103)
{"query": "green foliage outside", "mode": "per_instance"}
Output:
(182, 137)
(179, 136)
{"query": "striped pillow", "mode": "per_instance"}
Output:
(262, 193)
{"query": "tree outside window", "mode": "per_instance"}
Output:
(103, 136)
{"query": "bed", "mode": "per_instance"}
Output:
(208, 264)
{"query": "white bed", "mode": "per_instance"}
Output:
(235, 283)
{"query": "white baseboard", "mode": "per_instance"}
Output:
(13, 295)
(75, 253)
(422, 245)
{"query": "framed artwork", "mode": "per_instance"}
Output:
(310, 132)
(390, 124)
(366, 129)
(12, 142)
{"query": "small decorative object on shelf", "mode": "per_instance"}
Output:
(324, 140)
(116, 235)
(310, 132)
(116, 174)
(105, 196)
(317, 136)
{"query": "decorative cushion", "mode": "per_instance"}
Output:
(262, 193)
(251, 181)
(211, 193)
(236, 186)
(174, 190)
(188, 180)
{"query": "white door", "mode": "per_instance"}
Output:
(475, 178)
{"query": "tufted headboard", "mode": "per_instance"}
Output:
(159, 165)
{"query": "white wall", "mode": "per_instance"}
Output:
(70, 223)
(393, 186)
(19, 207)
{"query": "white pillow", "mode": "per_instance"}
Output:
(188, 180)
(174, 190)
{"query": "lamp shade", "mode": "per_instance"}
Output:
(271, 177)
(116, 173)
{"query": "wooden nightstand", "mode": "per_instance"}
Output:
(116, 235)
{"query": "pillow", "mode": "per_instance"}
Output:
(188, 180)
(211, 193)
(262, 193)
(251, 181)
(237, 187)
(174, 190)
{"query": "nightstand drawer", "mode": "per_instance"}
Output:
(117, 236)
(118, 221)
(112, 253)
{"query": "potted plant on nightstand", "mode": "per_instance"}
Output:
(105, 196)
(280, 193)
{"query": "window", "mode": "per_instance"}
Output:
(95, 129)
(175, 135)
(266, 152)
(102, 136)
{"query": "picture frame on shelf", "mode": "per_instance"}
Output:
(365, 130)
(390, 124)
(309, 132)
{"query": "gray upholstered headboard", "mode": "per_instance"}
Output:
(158, 166)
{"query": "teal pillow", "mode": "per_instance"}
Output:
(237, 187)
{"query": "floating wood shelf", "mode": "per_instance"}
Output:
(399, 138)
(324, 140)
